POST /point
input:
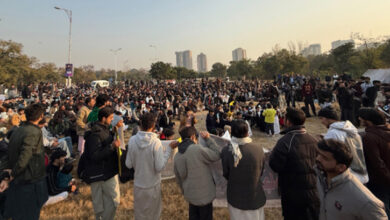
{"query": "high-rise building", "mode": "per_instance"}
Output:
(313, 49)
(239, 54)
(202, 63)
(338, 43)
(179, 59)
(187, 59)
(184, 59)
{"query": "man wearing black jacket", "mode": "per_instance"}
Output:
(372, 93)
(293, 158)
(345, 96)
(101, 167)
(245, 192)
(211, 122)
(27, 191)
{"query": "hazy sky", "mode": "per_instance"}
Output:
(214, 27)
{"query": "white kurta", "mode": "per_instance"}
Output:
(238, 214)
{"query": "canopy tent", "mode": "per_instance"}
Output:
(382, 75)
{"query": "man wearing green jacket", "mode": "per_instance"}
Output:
(101, 101)
(28, 190)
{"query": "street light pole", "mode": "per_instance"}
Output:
(115, 56)
(69, 14)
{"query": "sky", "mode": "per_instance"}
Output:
(214, 27)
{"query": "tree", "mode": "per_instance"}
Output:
(239, 69)
(85, 73)
(385, 53)
(218, 70)
(341, 56)
(14, 65)
(162, 70)
(181, 72)
(47, 72)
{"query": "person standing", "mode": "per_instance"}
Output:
(346, 132)
(146, 155)
(242, 164)
(293, 158)
(376, 145)
(372, 92)
(81, 122)
(101, 166)
(307, 94)
(269, 115)
(345, 96)
(193, 174)
(28, 189)
(342, 195)
(56, 192)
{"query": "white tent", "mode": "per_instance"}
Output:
(382, 75)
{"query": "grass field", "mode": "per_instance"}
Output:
(174, 206)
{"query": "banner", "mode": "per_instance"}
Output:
(167, 172)
(68, 70)
(269, 178)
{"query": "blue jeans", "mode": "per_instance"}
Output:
(382, 193)
(68, 141)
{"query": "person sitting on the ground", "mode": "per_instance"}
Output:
(188, 119)
(53, 142)
(64, 177)
(57, 193)
(167, 134)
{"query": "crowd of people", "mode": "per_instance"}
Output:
(342, 175)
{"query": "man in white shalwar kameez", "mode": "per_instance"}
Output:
(147, 157)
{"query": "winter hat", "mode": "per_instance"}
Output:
(329, 113)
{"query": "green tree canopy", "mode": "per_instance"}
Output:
(161, 70)
(218, 70)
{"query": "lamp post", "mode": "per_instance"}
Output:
(69, 14)
(115, 52)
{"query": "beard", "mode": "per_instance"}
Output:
(326, 169)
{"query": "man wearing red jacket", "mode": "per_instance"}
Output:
(307, 94)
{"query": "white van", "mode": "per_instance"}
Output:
(101, 83)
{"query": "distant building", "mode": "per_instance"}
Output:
(187, 59)
(338, 43)
(313, 49)
(239, 54)
(202, 63)
(184, 59)
(179, 59)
